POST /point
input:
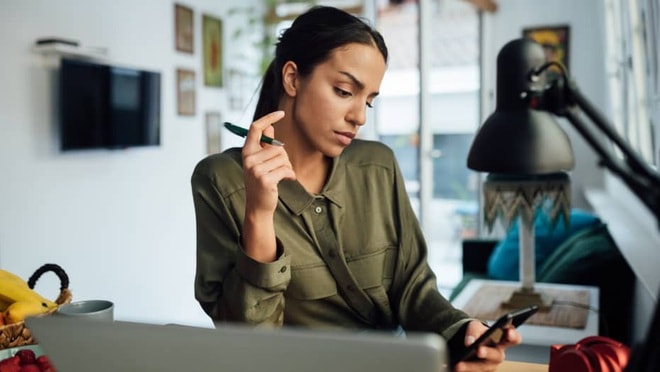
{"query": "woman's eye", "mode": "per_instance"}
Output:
(342, 92)
(370, 104)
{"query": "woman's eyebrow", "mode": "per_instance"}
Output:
(356, 81)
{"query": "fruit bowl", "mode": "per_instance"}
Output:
(17, 334)
(8, 353)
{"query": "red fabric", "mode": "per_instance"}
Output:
(591, 354)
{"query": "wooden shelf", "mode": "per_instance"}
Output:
(72, 51)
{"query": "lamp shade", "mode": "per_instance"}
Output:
(517, 139)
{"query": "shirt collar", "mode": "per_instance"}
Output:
(296, 198)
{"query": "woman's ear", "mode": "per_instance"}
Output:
(290, 78)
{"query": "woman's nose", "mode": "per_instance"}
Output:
(358, 114)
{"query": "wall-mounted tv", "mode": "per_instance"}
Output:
(106, 106)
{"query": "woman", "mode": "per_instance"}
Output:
(319, 232)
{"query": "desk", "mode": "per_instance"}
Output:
(509, 366)
(537, 339)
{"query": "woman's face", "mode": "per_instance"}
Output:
(330, 104)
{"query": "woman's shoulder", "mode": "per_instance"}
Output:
(361, 151)
(220, 166)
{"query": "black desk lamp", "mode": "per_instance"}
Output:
(521, 142)
(526, 155)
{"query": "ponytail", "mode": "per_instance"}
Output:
(269, 95)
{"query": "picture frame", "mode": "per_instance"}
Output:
(185, 91)
(555, 42)
(184, 35)
(213, 53)
(213, 132)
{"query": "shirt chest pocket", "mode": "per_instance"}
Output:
(371, 270)
(375, 269)
(311, 283)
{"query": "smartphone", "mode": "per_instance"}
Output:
(494, 334)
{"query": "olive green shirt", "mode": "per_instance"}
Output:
(351, 257)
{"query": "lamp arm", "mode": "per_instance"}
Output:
(645, 186)
(631, 156)
(568, 101)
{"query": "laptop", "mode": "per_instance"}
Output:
(74, 346)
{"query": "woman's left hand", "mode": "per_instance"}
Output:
(489, 357)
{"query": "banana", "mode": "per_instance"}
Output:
(4, 305)
(7, 275)
(14, 289)
(18, 311)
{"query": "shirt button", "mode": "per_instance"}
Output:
(318, 210)
(350, 288)
(283, 269)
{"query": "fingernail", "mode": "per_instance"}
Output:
(469, 340)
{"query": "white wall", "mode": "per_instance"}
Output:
(586, 63)
(121, 223)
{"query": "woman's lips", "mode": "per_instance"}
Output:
(345, 137)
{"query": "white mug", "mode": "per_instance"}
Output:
(88, 310)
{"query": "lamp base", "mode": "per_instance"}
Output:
(525, 297)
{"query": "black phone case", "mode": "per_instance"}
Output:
(512, 319)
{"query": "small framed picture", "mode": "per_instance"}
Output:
(185, 91)
(184, 24)
(555, 42)
(212, 40)
(213, 132)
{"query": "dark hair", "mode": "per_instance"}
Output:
(309, 42)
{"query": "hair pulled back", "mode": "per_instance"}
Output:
(308, 42)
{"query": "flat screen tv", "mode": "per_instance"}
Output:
(106, 106)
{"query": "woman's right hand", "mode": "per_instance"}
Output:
(264, 166)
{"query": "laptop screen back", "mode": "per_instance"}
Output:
(74, 346)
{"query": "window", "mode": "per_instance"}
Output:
(632, 67)
(428, 113)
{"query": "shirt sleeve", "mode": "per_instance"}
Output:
(419, 304)
(229, 285)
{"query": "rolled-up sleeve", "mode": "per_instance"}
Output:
(229, 285)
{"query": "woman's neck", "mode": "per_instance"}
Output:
(312, 172)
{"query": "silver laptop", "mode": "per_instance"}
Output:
(87, 346)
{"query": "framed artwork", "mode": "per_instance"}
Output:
(555, 42)
(212, 40)
(184, 24)
(213, 132)
(185, 91)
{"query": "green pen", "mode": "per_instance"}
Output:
(243, 133)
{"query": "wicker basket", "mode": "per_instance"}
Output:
(17, 334)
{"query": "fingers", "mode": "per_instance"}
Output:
(493, 354)
(264, 166)
(263, 171)
(488, 358)
(511, 337)
(259, 127)
(269, 165)
(267, 162)
(474, 330)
